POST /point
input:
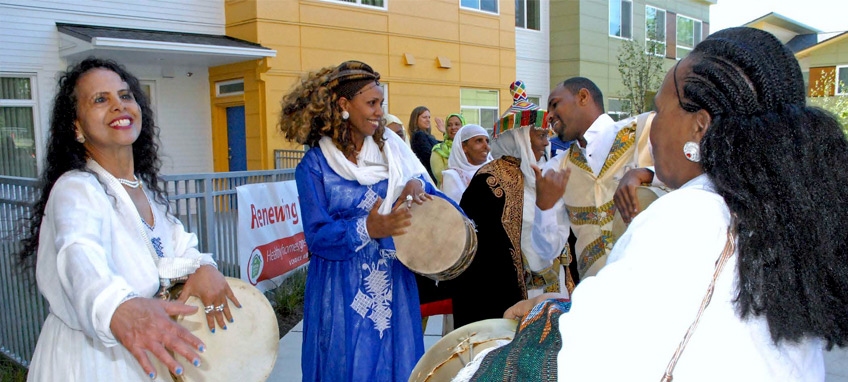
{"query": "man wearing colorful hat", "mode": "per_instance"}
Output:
(501, 201)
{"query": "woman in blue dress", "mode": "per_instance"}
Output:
(361, 316)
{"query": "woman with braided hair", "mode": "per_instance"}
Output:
(361, 313)
(756, 219)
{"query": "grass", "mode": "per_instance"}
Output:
(287, 300)
(11, 371)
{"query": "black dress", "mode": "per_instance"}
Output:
(495, 279)
(422, 145)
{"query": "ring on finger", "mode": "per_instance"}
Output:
(219, 308)
(409, 198)
(208, 309)
(423, 194)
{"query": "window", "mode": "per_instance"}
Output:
(654, 31)
(367, 3)
(479, 107)
(490, 6)
(688, 35)
(619, 108)
(17, 126)
(228, 88)
(527, 14)
(149, 89)
(535, 100)
(385, 105)
(842, 80)
(620, 18)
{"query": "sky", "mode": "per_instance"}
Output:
(826, 15)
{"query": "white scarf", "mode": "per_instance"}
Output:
(458, 161)
(516, 143)
(395, 162)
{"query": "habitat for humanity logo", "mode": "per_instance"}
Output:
(255, 265)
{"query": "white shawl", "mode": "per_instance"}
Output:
(516, 143)
(395, 162)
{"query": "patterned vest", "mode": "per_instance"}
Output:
(589, 199)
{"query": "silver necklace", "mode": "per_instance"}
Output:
(130, 183)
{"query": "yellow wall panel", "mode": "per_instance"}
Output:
(343, 16)
(236, 11)
(278, 10)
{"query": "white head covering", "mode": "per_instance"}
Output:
(391, 118)
(396, 163)
(458, 161)
(516, 143)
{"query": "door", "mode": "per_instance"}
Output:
(237, 147)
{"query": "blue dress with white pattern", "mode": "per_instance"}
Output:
(362, 320)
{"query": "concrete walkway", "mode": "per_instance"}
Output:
(287, 368)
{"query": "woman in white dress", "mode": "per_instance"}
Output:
(760, 181)
(465, 159)
(104, 239)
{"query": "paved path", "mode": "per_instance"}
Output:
(287, 368)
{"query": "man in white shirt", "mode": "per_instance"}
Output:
(604, 150)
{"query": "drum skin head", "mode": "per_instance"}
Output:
(442, 363)
(646, 196)
(436, 239)
(245, 352)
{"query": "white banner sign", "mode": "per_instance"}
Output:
(270, 232)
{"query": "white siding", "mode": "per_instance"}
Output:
(532, 56)
(30, 43)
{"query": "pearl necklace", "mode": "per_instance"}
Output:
(130, 183)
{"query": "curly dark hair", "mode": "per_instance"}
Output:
(311, 110)
(64, 153)
(780, 166)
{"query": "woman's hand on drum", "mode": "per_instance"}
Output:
(625, 199)
(393, 224)
(521, 308)
(144, 325)
(413, 192)
(209, 285)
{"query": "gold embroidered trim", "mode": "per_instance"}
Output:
(576, 156)
(506, 181)
(598, 248)
(625, 138)
(592, 215)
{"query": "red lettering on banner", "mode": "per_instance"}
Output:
(274, 214)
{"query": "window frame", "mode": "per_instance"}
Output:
(622, 114)
(32, 103)
(153, 96)
(609, 8)
(836, 81)
(496, 108)
(496, 13)
(539, 8)
(218, 85)
(677, 40)
(665, 39)
(359, 4)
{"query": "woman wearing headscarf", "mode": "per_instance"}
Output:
(737, 275)
(500, 199)
(394, 123)
(465, 159)
(361, 313)
(441, 151)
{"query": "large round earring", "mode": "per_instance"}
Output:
(345, 114)
(692, 151)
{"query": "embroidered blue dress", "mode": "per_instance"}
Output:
(362, 320)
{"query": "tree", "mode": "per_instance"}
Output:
(641, 69)
(823, 95)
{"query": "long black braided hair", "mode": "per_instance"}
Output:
(64, 153)
(781, 168)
